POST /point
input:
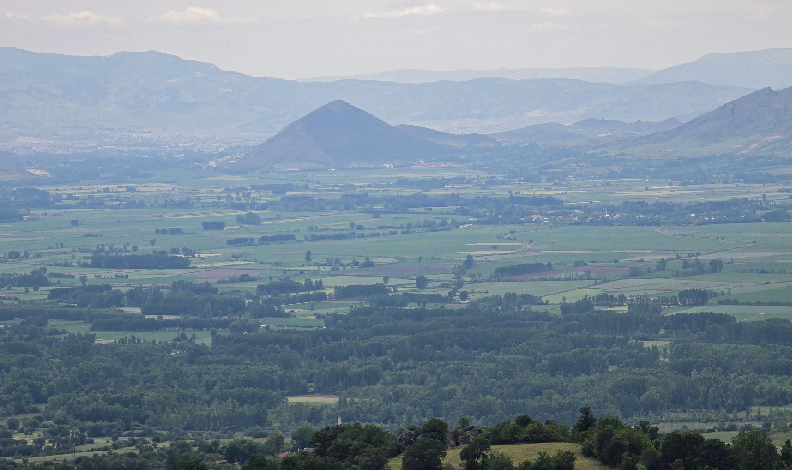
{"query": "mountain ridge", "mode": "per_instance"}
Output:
(74, 97)
(615, 75)
(759, 123)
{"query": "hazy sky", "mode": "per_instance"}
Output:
(302, 38)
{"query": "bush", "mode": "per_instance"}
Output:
(562, 460)
(249, 219)
(12, 423)
(359, 290)
(521, 269)
(213, 225)
(426, 454)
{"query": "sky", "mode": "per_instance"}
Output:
(306, 38)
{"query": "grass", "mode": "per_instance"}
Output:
(658, 344)
(540, 288)
(745, 312)
(314, 399)
(771, 294)
(201, 337)
(725, 436)
(520, 453)
(299, 322)
(86, 453)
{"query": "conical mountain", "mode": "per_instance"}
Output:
(341, 135)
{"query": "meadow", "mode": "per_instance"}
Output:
(587, 260)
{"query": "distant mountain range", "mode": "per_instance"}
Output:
(754, 69)
(143, 94)
(759, 69)
(150, 96)
(617, 75)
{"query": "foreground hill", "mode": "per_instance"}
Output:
(341, 135)
(757, 69)
(758, 123)
(62, 96)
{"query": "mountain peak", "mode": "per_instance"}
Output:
(341, 110)
(339, 134)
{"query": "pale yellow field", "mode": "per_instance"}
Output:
(520, 453)
(313, 399)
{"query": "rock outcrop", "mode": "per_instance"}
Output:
(462, 435)
(406, 439)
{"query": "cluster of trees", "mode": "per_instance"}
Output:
(694, 296)
(36, 278)
(213, 225)
(96, 295)
(241, 241)
(10, 215)
(620, 445)
(289, 286)
(285, 237)
(521, 269)
(316, 237)
(251, 218)
(186, 299)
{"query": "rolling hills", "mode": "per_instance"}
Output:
(586, 132)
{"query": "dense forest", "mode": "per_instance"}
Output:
(390, 365)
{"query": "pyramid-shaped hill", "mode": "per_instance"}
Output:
(759, 123)
(341, 135)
